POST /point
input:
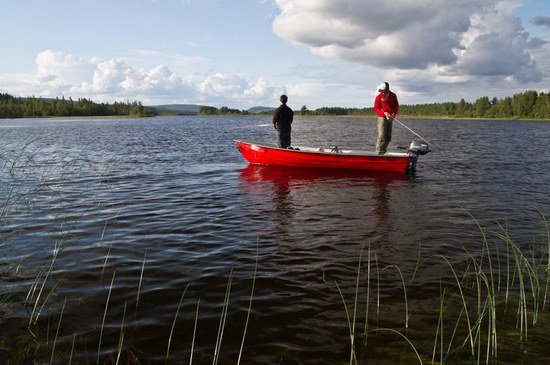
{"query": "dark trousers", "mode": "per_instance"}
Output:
(283, 136)
(384, 135)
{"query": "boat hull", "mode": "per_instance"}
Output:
(266, 155)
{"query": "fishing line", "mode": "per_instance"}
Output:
(249, 126)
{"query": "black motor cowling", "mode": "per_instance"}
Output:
(419, 148)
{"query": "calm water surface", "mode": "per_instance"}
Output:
(120, 217)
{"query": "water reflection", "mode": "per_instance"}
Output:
(381, 212)
(326, 200)
(281, 179)
(258, 173)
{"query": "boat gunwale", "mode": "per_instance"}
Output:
(330, 153)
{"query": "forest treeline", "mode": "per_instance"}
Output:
(526, 105)
(14, 107)
(210, 110)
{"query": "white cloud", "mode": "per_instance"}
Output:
(400, 33)
(59, 73)
(228, 89)
(444, 42)
(262, 90)
(222, 84)
(500, 46)
(305, 89)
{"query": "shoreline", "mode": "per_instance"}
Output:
(84, 117)
(430, 117)
(404, 116)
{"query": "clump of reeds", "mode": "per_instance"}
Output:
(482, 289)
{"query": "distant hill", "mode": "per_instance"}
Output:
(261, 109)
(193, 109)
(180, 109)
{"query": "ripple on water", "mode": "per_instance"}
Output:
(158, 206)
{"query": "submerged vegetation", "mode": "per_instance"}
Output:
(486, 304)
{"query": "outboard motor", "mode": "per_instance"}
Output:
(416, 149)
(419, 148)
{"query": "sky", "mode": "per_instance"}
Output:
(246, 53)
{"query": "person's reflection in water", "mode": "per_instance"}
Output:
(283, 201)
(381, 195)
(280, 179)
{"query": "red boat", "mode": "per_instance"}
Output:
(333, 158)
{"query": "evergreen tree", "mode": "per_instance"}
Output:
(481, 106)
(541, 109)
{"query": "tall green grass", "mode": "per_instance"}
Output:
(472, 305)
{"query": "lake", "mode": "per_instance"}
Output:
(147, 240)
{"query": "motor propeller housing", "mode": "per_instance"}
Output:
(419, 147)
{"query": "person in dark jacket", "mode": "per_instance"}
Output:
(282, 119)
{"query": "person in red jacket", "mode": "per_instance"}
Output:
(386, 106)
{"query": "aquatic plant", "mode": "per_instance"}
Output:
(474, 293)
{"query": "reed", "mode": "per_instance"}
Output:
(407, 314)
(110, 247)
(48, 273)
(195, 332)
(58, 327)
(352, 321)
(104, 316)
(440, 328)
(121, 337)
(402, 336)
(377, 286)
(72, 349)
(350, 326)
(223, 319)
(174, 323)
(141, 278)
(249, 302)
(470, 336)
(366, 326)
(548, 260)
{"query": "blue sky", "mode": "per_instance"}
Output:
(246, 53)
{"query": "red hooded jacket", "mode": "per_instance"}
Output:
(386, 103)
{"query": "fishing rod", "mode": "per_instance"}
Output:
(416, 134)
(249, 126)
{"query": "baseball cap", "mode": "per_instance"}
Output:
(383, 86)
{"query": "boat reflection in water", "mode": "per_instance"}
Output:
(257, 173)
(318, 202)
